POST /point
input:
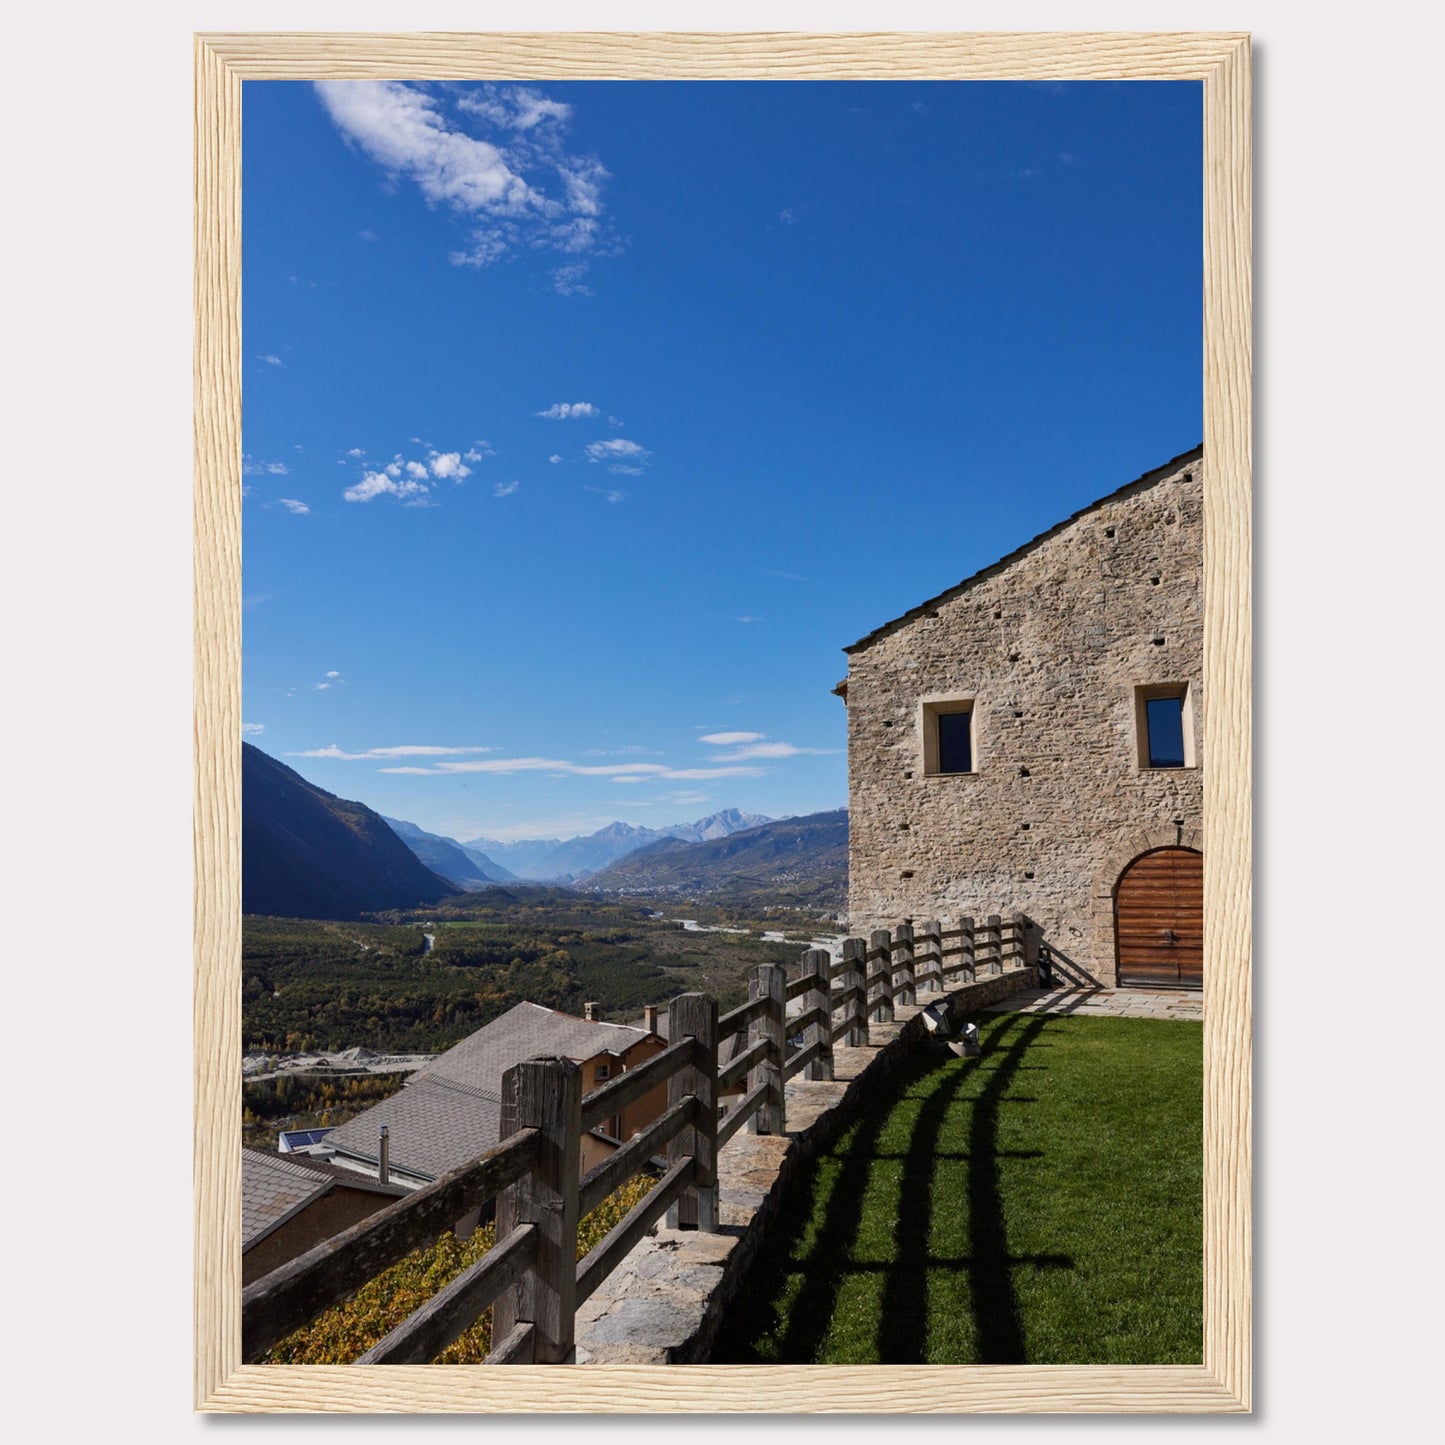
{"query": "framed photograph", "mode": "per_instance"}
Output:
(592, 383)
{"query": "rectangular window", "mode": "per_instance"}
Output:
(1164, 720)
(955, 742)
(949, 746)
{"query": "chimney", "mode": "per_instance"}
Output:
(649, 1017)
(383, 1173)
(592, 1012)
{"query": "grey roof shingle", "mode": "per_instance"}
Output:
(434, 1125)
(526, 1031)
(276, 1186)
(450, 1111)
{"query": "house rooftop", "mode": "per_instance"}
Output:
(1138, 484)
(274, 1187)
(450, 1111)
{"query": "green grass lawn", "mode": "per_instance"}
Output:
(1040, 1204)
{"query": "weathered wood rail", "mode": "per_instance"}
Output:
(531, 1278)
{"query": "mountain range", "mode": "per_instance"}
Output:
(569, 860)
(467, 867)
(305, 853)
(798, 862)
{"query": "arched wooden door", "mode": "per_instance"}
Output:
(1159, 920)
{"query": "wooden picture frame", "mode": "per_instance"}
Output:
(1222, 1382)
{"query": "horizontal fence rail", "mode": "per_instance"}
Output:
(720, 1074)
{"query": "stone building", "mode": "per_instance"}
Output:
(1031, 739)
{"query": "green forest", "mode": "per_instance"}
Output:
(314, 984)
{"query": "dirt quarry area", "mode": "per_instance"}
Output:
(348, 1063)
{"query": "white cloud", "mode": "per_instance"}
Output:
(505, 489)
(379, 484)
(567, 410)
(748, 747)
(263, 469)
(333, 673)
(772, 750)
(252, 729)
(367, 235)
(417, 470)
(406, 750)
(610, 493)
(618, 449)
(517, 188)
(626, 471)
(787, 216)
(615, 771)
(747, 617)
(554, 459)
(476, 452)
(292, 505)
(356, 452)
(568, 280)
(271, 360)
(449, 465)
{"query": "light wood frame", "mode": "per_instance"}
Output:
(1222, 63)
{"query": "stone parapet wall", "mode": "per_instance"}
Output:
(664, 1303)
(1050, 648)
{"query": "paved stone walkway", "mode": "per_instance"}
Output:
(1125, 1003)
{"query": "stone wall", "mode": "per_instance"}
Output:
(1050, 646)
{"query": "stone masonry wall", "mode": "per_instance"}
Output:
(1050, 648)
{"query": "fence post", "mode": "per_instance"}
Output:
(903, 965)
(878, 965)
(769, 981)
(1014, 943)
(694, 1015)
(544, 1094)
(932, 969)
(966, 960)
(815, 967)
(990, 944)
(855, 975)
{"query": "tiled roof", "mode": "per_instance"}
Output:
(527, 1031)
(433, 1124)
(450, 1111)
(276, 1186)
(1158, 474)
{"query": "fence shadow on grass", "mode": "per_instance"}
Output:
(802, 1325)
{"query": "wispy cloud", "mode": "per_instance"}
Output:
(554, 458)
(568, 410)
(611, 493)
(252, 729)
(787, 576)
(300, 509)
(366, 235)
(495, 155)
(561, 767)
(569, 280)
(332, 679)
(787, 216)
(271, 360)
(750, 747)
(406, 750)
(748, 617)
(505, 489)
(254, 468)
(627, 458)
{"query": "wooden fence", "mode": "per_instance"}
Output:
(531, 1277)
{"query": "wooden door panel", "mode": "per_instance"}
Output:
(1159, 919)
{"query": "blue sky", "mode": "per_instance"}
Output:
(586, 423)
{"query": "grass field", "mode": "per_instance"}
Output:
(1040, 1204)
